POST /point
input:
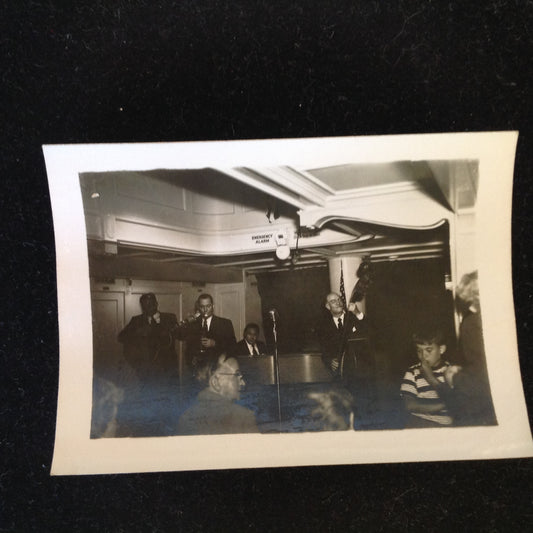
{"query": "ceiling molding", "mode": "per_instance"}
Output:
(307, 186)
(254, 179)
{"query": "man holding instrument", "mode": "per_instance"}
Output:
(337, 327)
(346, 352)
(207, 336)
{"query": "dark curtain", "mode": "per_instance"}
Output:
(403, 296)
(298, 297)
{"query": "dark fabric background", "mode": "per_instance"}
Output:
(403, 296)
(117, 71)
(297, 307)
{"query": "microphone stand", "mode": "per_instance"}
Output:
(174, 334)
(276, 363)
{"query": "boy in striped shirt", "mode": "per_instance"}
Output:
(428, 385)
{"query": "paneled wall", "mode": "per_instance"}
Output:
(197, 210)
(114, 303)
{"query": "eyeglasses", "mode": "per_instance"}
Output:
(335, 301)
(237, 374)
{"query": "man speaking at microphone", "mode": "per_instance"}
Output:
(206, 337)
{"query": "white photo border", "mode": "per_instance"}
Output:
(76, 453)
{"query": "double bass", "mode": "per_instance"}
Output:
(355, 354)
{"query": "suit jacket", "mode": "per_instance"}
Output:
(331, 338)
(241, 348)
(221, 331)
(150, 346)
(213, 414)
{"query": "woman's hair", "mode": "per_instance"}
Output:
(468, 290)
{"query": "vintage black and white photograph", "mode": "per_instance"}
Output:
(285, 293)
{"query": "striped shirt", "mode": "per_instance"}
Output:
(414, 384)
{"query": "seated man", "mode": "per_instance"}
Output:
(249, 345)
(214, 411)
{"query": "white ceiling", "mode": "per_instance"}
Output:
(298, 190)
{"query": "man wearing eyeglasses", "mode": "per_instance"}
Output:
(215, 411)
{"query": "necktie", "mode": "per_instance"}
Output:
(204, 324)
(339, 323)
(255, 352)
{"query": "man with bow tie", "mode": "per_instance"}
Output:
(148, 341)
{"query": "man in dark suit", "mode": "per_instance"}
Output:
(149, 349)
(207, 336)
(336, 328)
(249, 345)
(148, 341)
(346, 352)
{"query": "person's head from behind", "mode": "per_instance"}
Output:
(333, 410)
(106, 399)
(430, 345)
(250, 333)
(334, 304)
(225, 378)
(204, 304)
(467, 292)
(148, 304)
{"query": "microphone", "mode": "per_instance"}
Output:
(273, 312)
